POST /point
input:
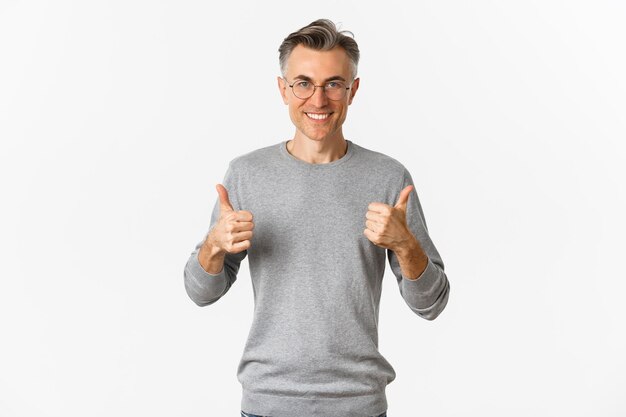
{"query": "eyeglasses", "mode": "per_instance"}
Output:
(303, 89)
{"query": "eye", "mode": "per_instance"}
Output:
(334, 85)
(302, 84)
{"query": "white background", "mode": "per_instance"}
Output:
(118, 118)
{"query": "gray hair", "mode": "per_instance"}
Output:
(321, 35)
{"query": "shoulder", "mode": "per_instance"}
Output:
(382, 163)
(253, 160)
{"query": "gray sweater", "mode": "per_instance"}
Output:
(312, 349)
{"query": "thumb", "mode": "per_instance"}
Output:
(404, 197)
(224, 201)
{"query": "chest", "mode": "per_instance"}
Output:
(307, 215)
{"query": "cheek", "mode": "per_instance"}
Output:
(293, 111)
(342, 113)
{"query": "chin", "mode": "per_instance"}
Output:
(317, 138)
(318, 134)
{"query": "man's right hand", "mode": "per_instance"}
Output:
(233, 230)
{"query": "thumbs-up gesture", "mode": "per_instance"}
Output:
(386, 225)
(233, 230)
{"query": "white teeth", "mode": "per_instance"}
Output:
(317, 116)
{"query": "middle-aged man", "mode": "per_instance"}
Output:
(317, 216)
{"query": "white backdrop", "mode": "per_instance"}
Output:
(118, 118)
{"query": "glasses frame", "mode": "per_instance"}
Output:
(323, 87)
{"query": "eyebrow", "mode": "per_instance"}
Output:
(334, 77)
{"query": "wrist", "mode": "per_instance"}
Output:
(410, 246)
(412, 259)
(210, 249)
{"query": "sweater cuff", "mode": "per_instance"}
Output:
(203, 288)
(426, 283)
(198, 271)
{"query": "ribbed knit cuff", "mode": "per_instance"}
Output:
(199, 271)
(201, 286)
(425, 285)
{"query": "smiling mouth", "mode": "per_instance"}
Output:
(318, 116)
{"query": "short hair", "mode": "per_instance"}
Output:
(322, 35)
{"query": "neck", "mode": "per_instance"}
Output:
(317, 151)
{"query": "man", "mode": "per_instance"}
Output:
(317, 216)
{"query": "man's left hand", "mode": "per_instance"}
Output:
(386, 225)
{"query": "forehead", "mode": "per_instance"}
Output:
(318, 64)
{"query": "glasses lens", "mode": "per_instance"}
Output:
(335, 90)
(303, 89)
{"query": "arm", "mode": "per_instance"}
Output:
(418, 267)
(412, 259)
(203, 287)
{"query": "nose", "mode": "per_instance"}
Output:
(319, 98)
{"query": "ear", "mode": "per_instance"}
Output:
(282, 87)
(355, 86)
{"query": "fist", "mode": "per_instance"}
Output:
(233, 230)
(386, 225)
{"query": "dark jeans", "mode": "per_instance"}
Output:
(244, 414)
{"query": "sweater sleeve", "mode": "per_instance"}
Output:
(427, 296)
(202, 287)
